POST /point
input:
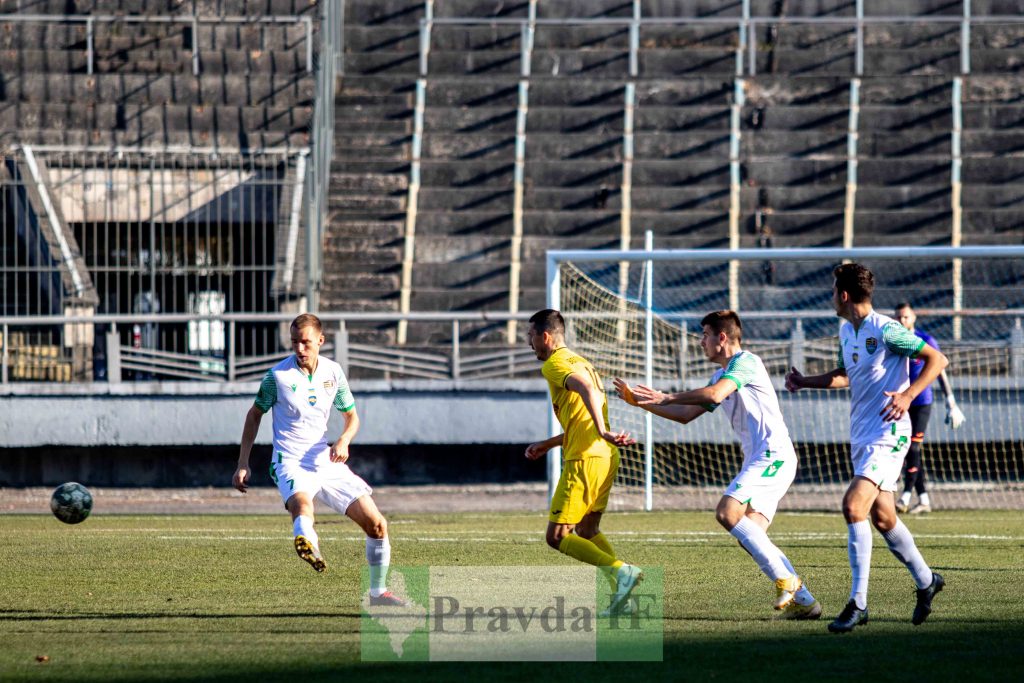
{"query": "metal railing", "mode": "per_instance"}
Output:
(110, 349)
(91, 20)
(147, 230)
(745, 26)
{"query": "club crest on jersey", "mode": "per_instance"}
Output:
(856, 356)
(312, 396)
(871, 344)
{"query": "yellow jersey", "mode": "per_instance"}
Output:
(581, 439)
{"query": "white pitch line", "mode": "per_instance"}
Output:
(681, 538)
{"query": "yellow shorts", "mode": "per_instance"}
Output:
(583, 488)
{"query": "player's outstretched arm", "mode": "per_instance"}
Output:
(681, 414)
(835, 379)
(249, 431)
(710, 395)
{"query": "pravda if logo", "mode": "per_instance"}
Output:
(512, 614)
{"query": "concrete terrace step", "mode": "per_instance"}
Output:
(383, 232)
(141, 89)
(582, 91)
(109, 36)
(155, 61)
(370, 182)
(155, 118)
(366, 202)
(148, 138)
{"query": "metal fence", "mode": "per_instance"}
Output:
(201, 30)
(187, 231)
(220, 348)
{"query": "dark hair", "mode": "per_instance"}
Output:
(724, 321)
(308, 320)
(855, 280)
(903, 304)
(548, 320)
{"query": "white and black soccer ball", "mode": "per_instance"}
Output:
(71, 502)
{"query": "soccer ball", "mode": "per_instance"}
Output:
(71, 502)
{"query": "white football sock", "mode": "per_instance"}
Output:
(859, 548)
(303, 526)
(378, 556)
(803, 596)
(924, 499)
(756, 541)
(905, 498)
(901, 543)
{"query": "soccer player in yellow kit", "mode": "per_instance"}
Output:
(589, 451)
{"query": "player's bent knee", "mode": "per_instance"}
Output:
(377, 528)
(555, 535)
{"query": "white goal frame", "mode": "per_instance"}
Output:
(651, 256)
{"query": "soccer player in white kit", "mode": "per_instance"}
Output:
(744, 391)
(302, 390)
(874, 353)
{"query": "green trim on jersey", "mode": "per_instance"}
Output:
(266, 397)
(343, 399)
(710, 407)
(741, 369)
(901, 341)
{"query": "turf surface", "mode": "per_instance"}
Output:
(224, 598)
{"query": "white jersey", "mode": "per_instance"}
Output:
(302, 405)
(875, 358)
(753, 409)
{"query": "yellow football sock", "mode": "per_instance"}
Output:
(585, 551)
(601, 541)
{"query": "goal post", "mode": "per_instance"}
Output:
(645, 328)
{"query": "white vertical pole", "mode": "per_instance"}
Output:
(956, 230)
(852, 136)
(649, 373)
(554, 301)
(739, 98)
(626, 213)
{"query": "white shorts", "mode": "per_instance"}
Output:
(333, 483)
(881, 461)
(764, 482)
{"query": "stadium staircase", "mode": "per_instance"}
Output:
(370, 170)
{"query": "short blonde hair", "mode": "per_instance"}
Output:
(308, 320)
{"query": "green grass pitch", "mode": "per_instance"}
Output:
(224, 598)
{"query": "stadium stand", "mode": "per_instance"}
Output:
(794, 115)
(209, 83)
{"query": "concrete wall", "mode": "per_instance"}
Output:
(415, 412)
(179, 414)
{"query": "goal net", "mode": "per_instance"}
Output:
(636, 315)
